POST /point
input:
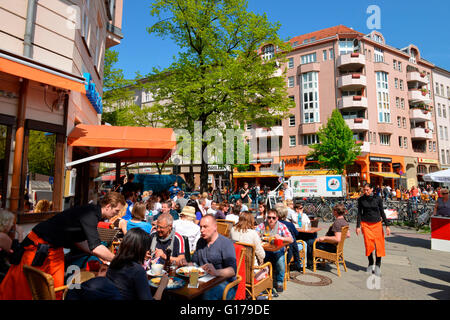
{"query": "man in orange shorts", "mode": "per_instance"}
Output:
(43, 246)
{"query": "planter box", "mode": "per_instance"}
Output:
(358, 120)
(357, 98)
(356, 76)
(355, 55)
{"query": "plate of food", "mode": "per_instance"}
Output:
(174, 282)
(152, 274)
(185, 271)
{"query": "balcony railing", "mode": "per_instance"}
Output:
(352, 102)
(352, 81)
(351, 60)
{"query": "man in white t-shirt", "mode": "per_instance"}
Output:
(288, 192)
(186, 226)
(213, 208)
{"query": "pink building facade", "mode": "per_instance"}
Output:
(384, 94)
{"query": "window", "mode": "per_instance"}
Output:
(394, 63)
(446, 133)
(374, 137)
(378, 55)
(310, 103)
(401, 84)
(98, 44)
(405, 142)
(399, 66)
(448, 94)
(268, 52)
(400, 142)
(444, 111)
(395, 83)
(331, 54)
(442, 90)
(404, 123)
(384, 112)
(399, 122)
(397, 102)
(434, 146)
(291, 82)
(345, 46)
(403, 103)
(249, 126)
(441, 132)
(351, 93)
(324, 55)
(443, 156)
(309, 139)
(291, 121)
(85, 30)
(430, 146)
(448, 156)
(291, 63)
(308, 58)
(385, 139)
(292, 141)
(292, 98)
(439, 110)
(437, 88)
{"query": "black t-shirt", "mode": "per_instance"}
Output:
(70, 226)
(132, 282)
(370, 209)
(244, 199)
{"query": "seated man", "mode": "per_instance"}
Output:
(294, 247)
(279, 231)
(166, 207)
(165, 238)
(216, 255)
(333, 236)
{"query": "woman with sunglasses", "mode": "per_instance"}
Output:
(370, 215)
(442, 207)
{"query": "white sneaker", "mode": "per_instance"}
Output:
(370, 269)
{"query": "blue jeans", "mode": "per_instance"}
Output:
(278, 264)
(217, 292)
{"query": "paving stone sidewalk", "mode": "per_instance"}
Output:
(410, 271)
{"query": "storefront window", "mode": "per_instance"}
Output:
(385, 167)
(422, 169)
(373, 167)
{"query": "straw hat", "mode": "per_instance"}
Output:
(188, 211)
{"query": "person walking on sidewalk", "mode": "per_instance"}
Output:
(370, 215)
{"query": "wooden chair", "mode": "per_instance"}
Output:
(231, 223)
(314, 222)
(224, 229)
(108, 236)
(253, 287)
(302, 254)
(336, 257)
(41, 284)
(238, 277)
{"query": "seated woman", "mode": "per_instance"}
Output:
(126, 270)
(234, 214)
(137, 219)
(333, 236)
(42, 206)
(244, 231)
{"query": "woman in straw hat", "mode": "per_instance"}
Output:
(187, 227)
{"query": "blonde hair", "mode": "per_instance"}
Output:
(6, 220)
(289, 202)
(246, 221)
(42, 206)
(282, 211)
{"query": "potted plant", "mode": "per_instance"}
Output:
(427, 130)
(356, 98)
(423, 74)
(358, 120)
(356, 76)
(424, 92)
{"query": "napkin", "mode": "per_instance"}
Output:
(206, 278)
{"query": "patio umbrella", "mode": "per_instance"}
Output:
(438, 176)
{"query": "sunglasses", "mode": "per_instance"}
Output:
(271, 218)
(444, 192)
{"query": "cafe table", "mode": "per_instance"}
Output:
(310, 230)
(270, 247)
(185, 293)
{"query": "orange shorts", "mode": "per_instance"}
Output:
(15, 285)
(373, 238)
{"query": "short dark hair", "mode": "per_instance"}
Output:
(340, 209)
(273, 211)
(112, 198)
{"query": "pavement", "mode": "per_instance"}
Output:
(409, 271)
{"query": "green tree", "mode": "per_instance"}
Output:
(337, 148)
(218, 77)
(41, 153)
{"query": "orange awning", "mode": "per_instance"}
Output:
(40, 74)
(143, 144)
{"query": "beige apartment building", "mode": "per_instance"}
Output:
(51, 79)
(384, 94)
(441, 86)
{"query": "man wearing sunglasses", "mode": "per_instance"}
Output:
(442, 207)
(279, 231)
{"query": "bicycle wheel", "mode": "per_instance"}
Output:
(326, 214)
(351, 215)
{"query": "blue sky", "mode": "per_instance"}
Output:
(423, 23)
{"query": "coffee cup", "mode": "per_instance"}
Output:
(157, 268)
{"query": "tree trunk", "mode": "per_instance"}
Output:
(204, 172)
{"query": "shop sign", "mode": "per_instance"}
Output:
(423, 160)
(218, 167)
(265, 160)
(92, 94)
(353, 174)
(380, 159)
(293, 161)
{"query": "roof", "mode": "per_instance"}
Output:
(326, 33)
(143, 144)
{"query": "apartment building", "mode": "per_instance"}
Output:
(441, 86)
(384, 94)
(51, 78)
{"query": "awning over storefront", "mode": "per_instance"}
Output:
(387, 175)
(124, 144)
(254, 174)
(29, 69)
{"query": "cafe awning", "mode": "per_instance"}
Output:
(124, 144)
(29, 69)
(390, 175)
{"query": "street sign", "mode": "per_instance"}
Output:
(50, 180)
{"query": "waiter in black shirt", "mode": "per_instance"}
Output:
(43, 246)
(370, 215)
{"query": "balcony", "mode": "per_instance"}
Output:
(308, 67)
(352, 102)
(419, 115)
(269, 132)
(421, 134)
(358, 124)
(365, 147)
(113, 36)
(351, 61)
(354, 81)
(415, 95)
(416, 76)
